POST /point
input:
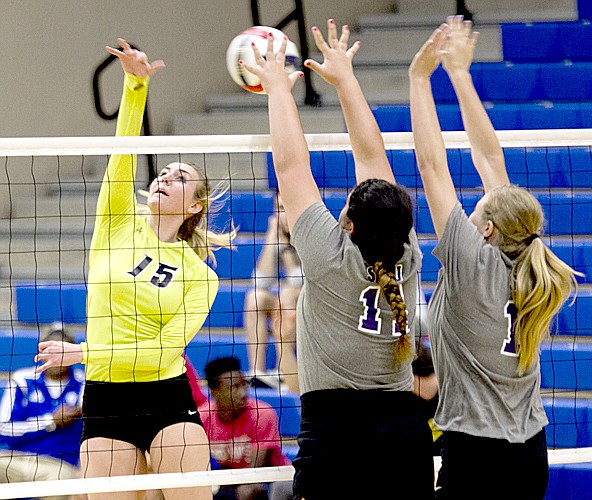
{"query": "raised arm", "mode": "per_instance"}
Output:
(429, 145)
(290, 152)
(117, 198)
(367, 144)
(486, 152)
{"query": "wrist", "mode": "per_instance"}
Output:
(459, 74)
(420, 79)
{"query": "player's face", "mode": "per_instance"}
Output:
(173, 191)
(232, 393)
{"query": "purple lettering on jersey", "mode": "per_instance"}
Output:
(510, 347)
(370, 321)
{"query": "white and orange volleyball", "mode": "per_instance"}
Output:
(240, 49)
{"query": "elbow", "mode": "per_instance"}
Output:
(426, 164)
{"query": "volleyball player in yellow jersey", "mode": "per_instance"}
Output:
(149, 292)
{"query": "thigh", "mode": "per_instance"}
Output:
(102, 457)
(15, 467)
(181, 447)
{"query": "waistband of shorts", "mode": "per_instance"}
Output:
(328, 402)
(180, 378)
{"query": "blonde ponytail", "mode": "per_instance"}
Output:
(540, 283)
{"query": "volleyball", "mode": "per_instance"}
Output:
(240, 49)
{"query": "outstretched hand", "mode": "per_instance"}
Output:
(271, 69)
(429, 56)
(337, 57)
(459, 45)
(134, 61)
(57, 353)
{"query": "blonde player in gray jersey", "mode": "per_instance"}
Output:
(362, 431)
(498, 290)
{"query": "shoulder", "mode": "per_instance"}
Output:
(316, 214)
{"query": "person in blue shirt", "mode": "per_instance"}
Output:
(40, 423)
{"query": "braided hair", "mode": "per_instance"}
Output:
(382, 216)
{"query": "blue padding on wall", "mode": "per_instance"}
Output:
(567, 81)
(504, 116)
(566, 365)
(531, 42)
(286, 405)
(570, 425)
(510, 82)
(548, 115)
(250, 211)
(228, 308)
(442, 87)
(204, 348)
(17, 348)
(46, 303)
(239, 262)
(392, 118)
(576, 319)
(570, 481)
(574, 39)
(584, 9)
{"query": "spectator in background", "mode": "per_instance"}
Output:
(271, 305)
(243, 432)
(40, 422)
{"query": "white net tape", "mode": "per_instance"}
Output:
(178, 144)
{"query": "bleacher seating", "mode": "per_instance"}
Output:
(566, 365)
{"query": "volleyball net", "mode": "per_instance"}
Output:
(48, 192)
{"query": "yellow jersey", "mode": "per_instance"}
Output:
(146, 298)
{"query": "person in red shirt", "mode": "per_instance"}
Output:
(243, 431)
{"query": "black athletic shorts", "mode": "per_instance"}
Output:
(488, 469)
(363, 444)
(135, 412)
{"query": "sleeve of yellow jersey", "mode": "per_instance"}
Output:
(152, 355)
(117, 201)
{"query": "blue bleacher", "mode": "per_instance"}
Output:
(570, 481)
(547, 41)
(570, 422)
(532, 168)
(566, 365)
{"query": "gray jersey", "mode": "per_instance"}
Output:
(346, 336)
(473, 348)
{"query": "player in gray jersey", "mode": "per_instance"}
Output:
(362, 434)
(497, 291)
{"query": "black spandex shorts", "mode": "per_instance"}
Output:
(135, 412)
(363, 444)
(492, 469)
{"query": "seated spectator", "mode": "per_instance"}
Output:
(271, 306)
(243, 432)
(40, 422)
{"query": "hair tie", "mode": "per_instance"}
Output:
(530, 239)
